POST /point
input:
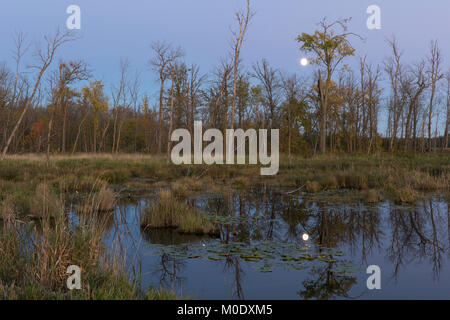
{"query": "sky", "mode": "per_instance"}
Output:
(112, 30)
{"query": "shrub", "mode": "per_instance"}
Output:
(372, 196)
(194, 184)
(169, 212)
(330, 182)
(179, 189)
(45, 203)
(313, 186)
(106, 200)
(356, 181)
(406, 195)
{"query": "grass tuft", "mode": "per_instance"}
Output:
(169, 212)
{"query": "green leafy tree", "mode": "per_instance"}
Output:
(329, 48)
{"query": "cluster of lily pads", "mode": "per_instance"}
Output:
(264, 256)
(234, 220)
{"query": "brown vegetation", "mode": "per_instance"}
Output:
(170, 212)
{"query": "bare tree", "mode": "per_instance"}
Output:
(80, 125)
(447, 121)
(292, 89)
(120, 96)
(68, 74)
(223, 73)
(51, 109)
(393, 68)
(164, 56)
(413, 85)
(45, 58)
(172, 102)
(435, 75)
(5, 97)
(21, 47)
(373, 100)
(243, 19)
(20, 50)
(194, 92)
(271, 84)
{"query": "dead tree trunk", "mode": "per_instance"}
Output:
(45, 59)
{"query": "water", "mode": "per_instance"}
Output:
(261, 253)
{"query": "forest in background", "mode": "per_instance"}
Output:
(60, 107)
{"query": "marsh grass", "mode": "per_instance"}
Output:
(101, 201)
(169, 212)
(160, 294)
(385, 173)
(106, 200)
(313, 186)
(372, 196)
(8, 211)
(84, 184)
(34, 256)
(45, 203)
(188, 185)
(406, 195)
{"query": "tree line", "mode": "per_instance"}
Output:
(67, 110)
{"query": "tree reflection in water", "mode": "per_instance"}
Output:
(402, 234)
(416, 235)
(326, 284)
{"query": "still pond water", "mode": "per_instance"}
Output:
(262, 252)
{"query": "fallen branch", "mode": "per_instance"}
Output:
(298, 189)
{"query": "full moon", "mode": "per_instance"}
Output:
(304, 62)
(305, 237)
